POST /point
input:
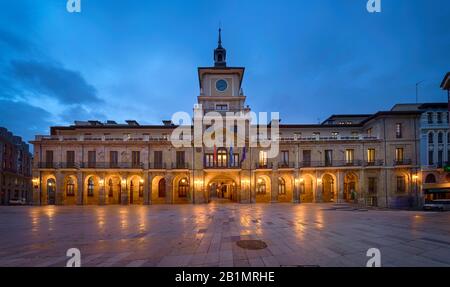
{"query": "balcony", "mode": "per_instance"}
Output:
(286, 165)
(374, 163)
(216, 165)
(180, 165)
(266, 165)
(402, 162)
(156, 165)
(112, 165)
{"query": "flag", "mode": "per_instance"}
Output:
(244, 154)
(231, 156)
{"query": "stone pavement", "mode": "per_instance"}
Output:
(206, 235)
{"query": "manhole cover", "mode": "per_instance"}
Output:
(251, 244)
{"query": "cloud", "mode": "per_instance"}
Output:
(67, 86)
(80, 113)
(23, 119)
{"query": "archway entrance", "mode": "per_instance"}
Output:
(222, 190)
(328, 188)
(350, 194)
(51, 191)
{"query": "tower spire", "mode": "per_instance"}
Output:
(220, 53)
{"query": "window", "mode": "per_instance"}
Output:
(70, 187)
(180, 159)
(113, 159)
(328, 157)
(440, 158)
(430, 118)
(49, 158)
(371, 155)
(297, 136)
(70, 157)
(401, 184)
(183, 187)
(306, 158)
(369, 132)
(430, 157)
(399, 155)
(316, 134)
(136, 159)
(448, 139)
(221, 107)
(90, 189)
(285, 157)
(222, 157)
(261, 186)
(281, 186)
(431, 138)
(91, 159)
(158, 158)
(209, 160)
(334, 134)
(440, 138)
(349, 156)
(398, 131)
(439, 117)
(263, 158)
(372, 186)
(236, 162)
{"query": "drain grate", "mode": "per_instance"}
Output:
(252, 244)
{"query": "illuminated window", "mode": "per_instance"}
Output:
(70, 187)
(90, 186)
(281, 186)
(183, 187)
(261, 186)
(398, 131)
(371, 155)
(349, 156)
(399, 155)
(263, 158)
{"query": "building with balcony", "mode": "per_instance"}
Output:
(369, 159)
(15, 168)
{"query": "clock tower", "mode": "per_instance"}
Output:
(220, 85)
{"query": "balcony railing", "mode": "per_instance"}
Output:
(261, 165)
(286, 164)
(216, 165)
(156, 165)
(403, 162)
(117, 165)
(180, 165)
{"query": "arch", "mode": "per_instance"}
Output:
(136, 189)
(281, 186)
(440, 137)
(431, 178)
(401, 182)
(51, 191)
(113, 189)
(70, 190)
(328, 188)
(350, 187)
(431, 138)
(285, 188)
(91, 192)
(307, 188)
(221, 187)
(263, 189)
(159, 192)
(183, 187)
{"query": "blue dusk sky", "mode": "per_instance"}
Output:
(122, 60)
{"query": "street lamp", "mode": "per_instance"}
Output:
(415, 179)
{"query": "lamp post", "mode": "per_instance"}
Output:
(415, 179)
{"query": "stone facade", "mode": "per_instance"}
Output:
(15, 168)
(366, 159)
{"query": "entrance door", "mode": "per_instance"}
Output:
(327, 192)
(51, 191)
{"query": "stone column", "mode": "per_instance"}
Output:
(296, 187)
(340, 184)
(102, 191)
(169, 189)
(59, 196)
(252, 188)
(80, 188)
(124, 193)
(319, 188)
(361, 191)
(147, 188)
(274, 187)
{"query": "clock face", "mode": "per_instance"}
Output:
(221, 85)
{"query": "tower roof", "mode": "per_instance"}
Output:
(220, 53)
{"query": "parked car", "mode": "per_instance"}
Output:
(18, 201)
(440, 205)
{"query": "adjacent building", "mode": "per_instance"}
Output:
(368, 159)
(15, 168)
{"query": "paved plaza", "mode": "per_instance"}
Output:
(207, 235)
